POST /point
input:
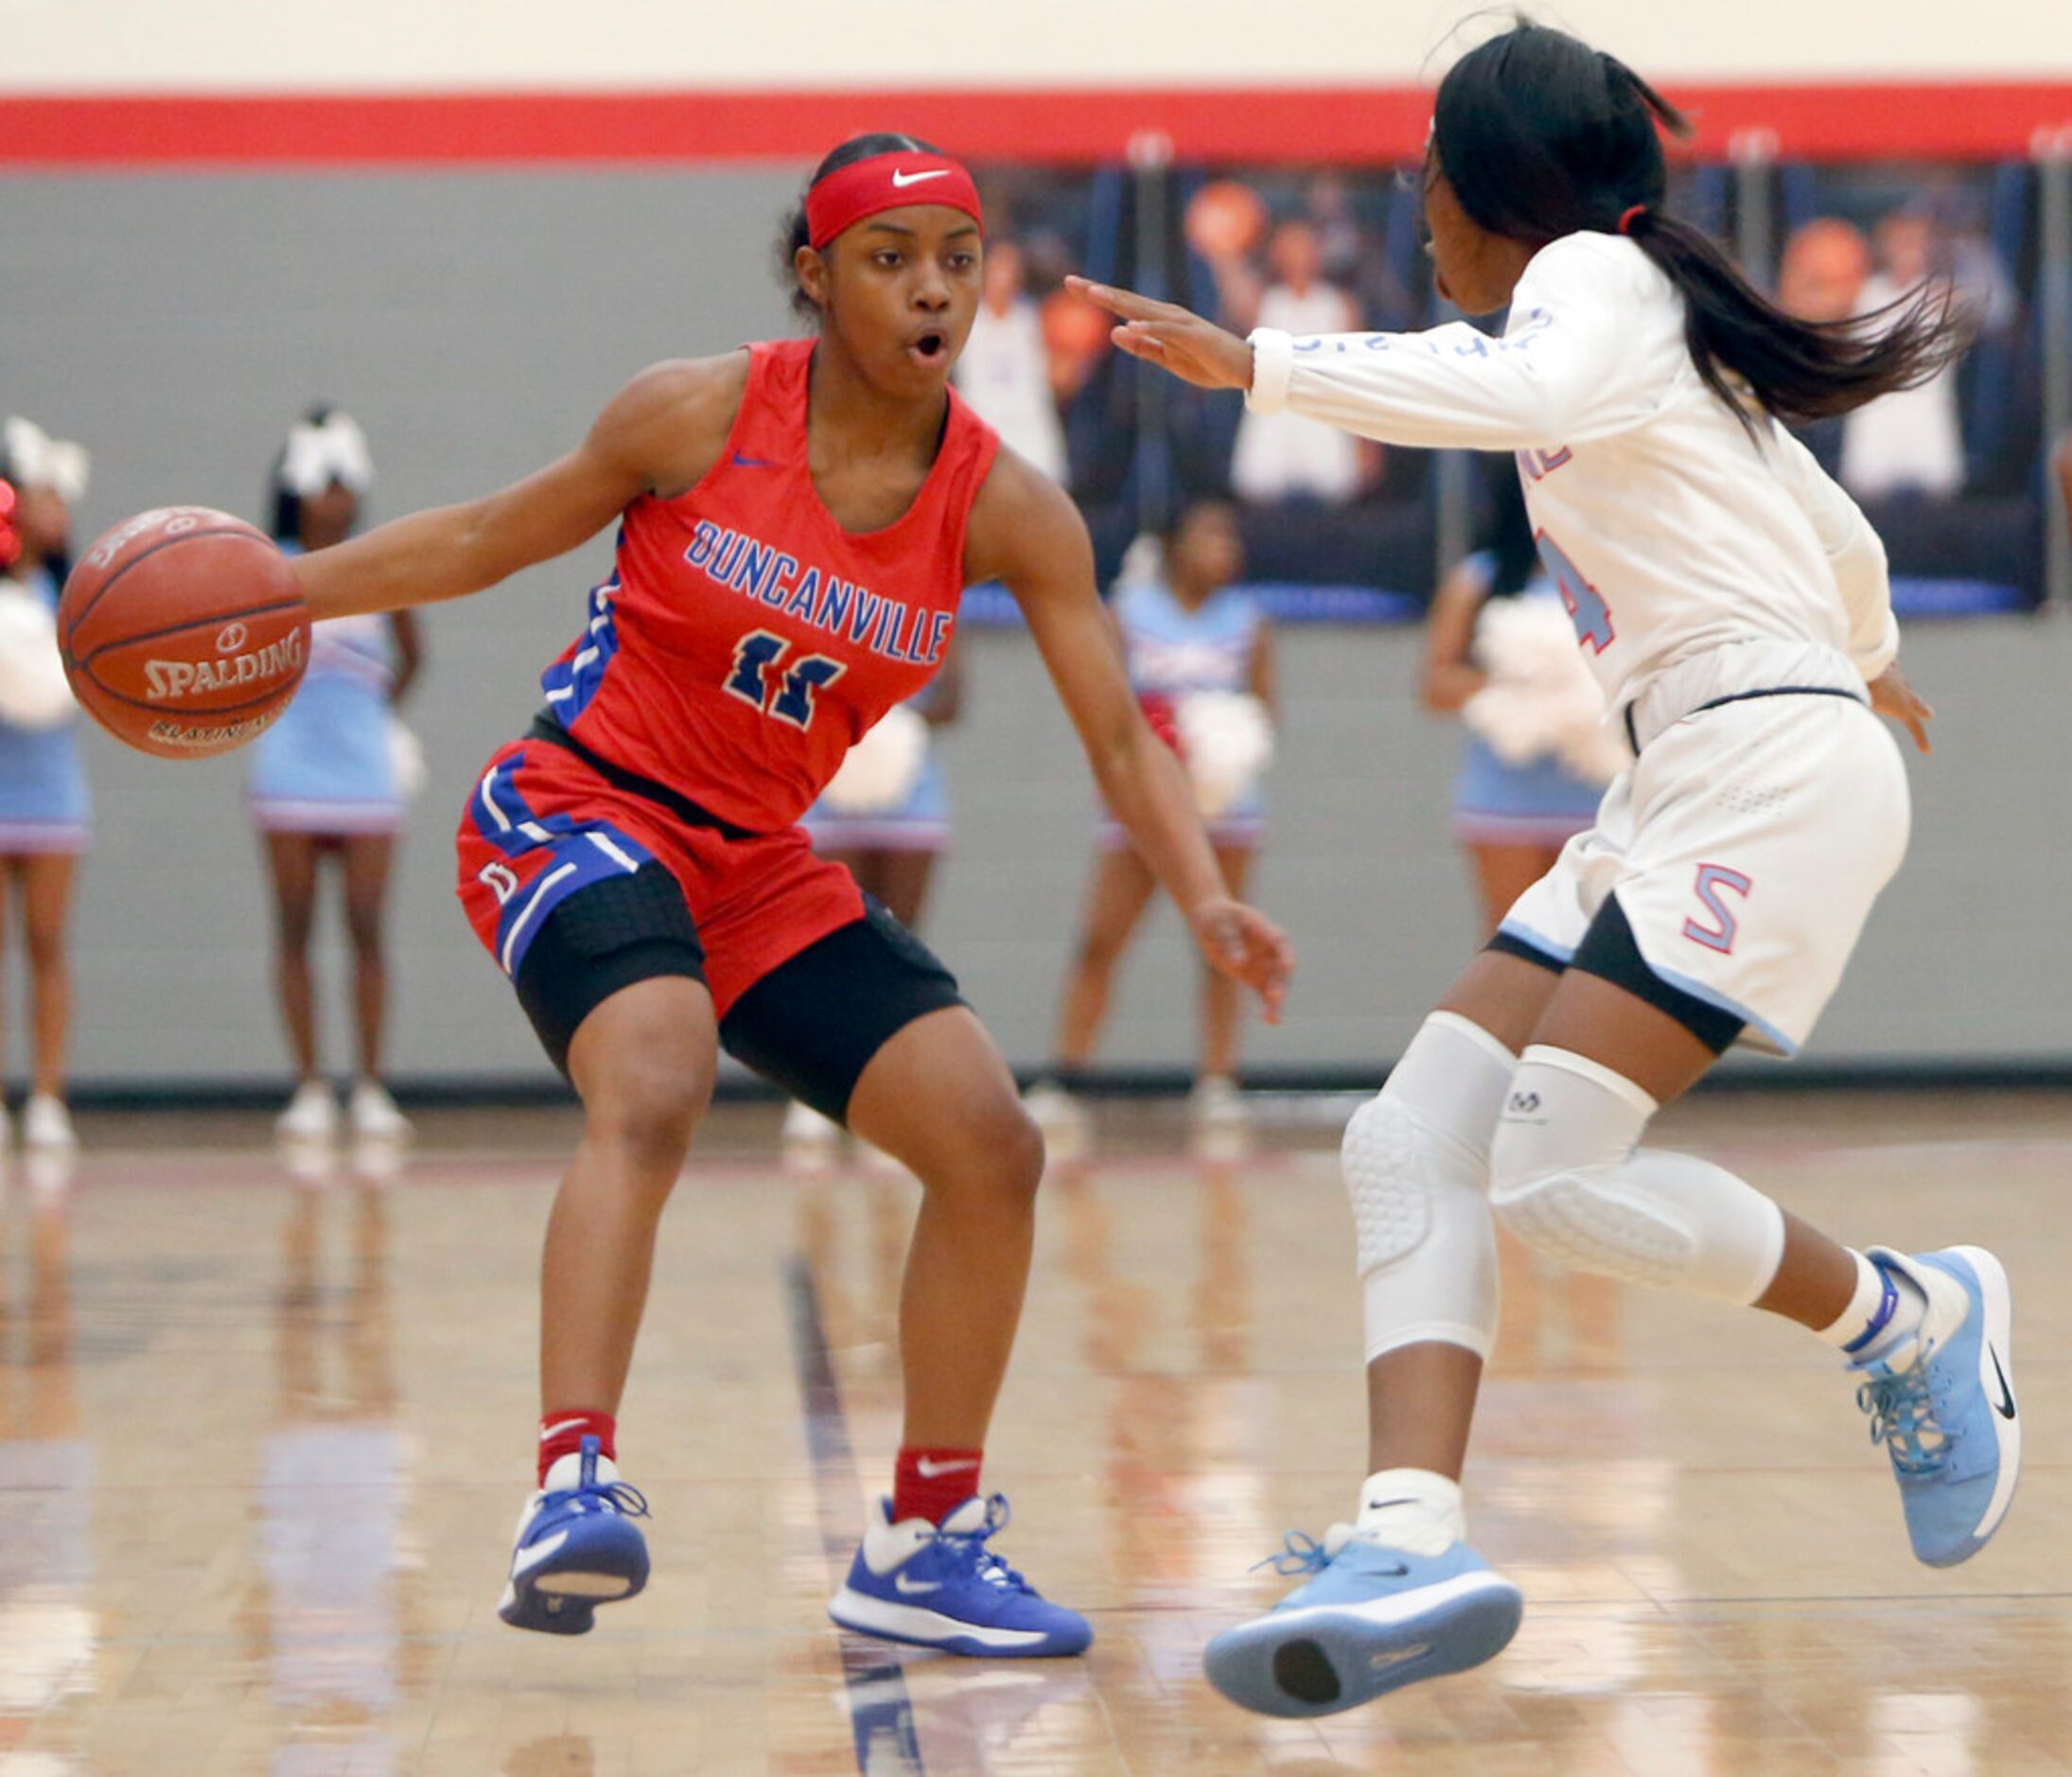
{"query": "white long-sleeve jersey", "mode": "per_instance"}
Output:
(1671, 532)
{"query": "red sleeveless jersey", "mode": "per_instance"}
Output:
(745, 640)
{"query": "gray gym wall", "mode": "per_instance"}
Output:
(474, 324)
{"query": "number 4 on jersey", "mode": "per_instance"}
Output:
(791, 698)
(1588, 612)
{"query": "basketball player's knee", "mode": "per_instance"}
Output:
(649, 1107)
(1556, 1179)
(1427, 1251)
(995, 1163)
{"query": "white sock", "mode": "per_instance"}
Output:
(1411, 1509)
(1869, 1319)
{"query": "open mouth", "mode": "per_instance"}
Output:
(931, 348)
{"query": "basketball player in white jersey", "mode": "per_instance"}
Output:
(1734, 603)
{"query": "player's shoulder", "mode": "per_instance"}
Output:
(671, 421)
(1595, 261)
(1021, 519)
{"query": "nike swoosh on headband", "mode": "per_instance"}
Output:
(901, 181)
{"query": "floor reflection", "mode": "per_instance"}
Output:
(49, 1634)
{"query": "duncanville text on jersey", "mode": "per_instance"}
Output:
(771, 576)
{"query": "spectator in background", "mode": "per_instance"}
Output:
(1005, 372)
(328, 782)
(2060, 464)
(42, 786)
(1911, 441)
(1821, 276)
(1186, 631)
(1500, 651)
(1282, 456)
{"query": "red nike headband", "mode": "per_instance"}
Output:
(887, 182)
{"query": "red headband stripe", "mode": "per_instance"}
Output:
(887, 182)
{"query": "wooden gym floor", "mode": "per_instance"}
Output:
(264, 1431)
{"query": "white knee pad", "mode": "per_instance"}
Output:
(1567, 1178)
(1416, 1166)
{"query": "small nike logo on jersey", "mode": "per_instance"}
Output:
(901, 181)
(752, 463)
(930, 1469)
(911, 1586)
(2005, 1405)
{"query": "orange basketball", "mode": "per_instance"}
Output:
(184, 631)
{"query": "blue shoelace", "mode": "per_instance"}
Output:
(1299, 1552)
(1902, 1414)
(970, 1545)
(624, 1498)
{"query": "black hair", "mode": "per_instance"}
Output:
(287, 504)
(793, 233)
(1540, 135)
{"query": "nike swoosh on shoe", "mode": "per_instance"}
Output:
(2005, 1405)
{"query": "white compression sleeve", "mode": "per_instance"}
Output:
(1416, 1166)
(1567, 1178)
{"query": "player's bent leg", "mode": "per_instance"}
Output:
(938, 1097)
(642, 1049)
(1928, 1335)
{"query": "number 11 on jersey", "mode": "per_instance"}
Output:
(793, 702)
(1587, 609)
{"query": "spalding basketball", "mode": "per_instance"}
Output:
(184, 631)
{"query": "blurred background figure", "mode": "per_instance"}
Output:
(1500, 651)
(1006, 370)
(1200, 657)
(887, 816)
(43, 785)
(330, 780)
(1824, 269)
(1283, 456)
(1911, 441)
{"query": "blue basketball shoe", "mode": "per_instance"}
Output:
(939, 1586)
(1942, 1402)
(1373, 1620)
(577, 1547)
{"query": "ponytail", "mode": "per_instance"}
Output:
(1542, 136)
(1796, 370)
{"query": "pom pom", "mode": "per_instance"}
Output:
(33, 690)
(1540, 701)
(406, 759)
(1227, 741)
(882, 768)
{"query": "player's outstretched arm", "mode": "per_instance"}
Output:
(660, 433)
(1026, 532)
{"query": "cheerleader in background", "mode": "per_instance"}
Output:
(1501, 650)
(42, 786)
(1201, 658)
(885, 816)
(328, 780)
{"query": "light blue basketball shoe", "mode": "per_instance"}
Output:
(577, 1547)
(1942, 1402)
(939, 1586)
(1373, 1620)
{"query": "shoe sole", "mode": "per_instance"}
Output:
(920, 1628)
(1997, 1301)
(1326, 1658)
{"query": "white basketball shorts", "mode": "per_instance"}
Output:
(1746, 844)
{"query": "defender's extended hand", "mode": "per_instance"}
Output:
(1248, 946)
(1193, 349)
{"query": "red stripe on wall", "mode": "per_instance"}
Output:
(1979, 120)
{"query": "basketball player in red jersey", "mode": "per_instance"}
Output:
(797, 523)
